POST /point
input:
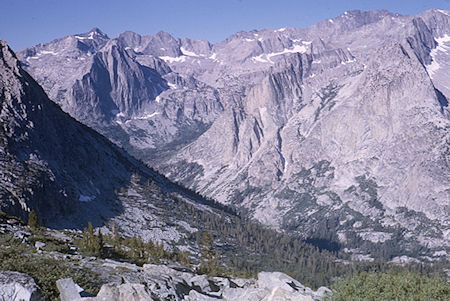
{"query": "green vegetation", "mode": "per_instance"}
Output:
(135, 250)
(91, 244)
(326, 95)
(33, 220)
(391, 285)
(130, 249)
(210, 258)
(51, 244)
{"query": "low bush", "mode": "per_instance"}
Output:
(397, 286)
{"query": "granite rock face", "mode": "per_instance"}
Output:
(15, 286)
(338, 132)
(68, 290)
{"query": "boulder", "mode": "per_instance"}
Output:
(15, 286)
(272, 280)
(39, 245)
(68, 290)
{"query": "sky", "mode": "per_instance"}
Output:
(25, 23)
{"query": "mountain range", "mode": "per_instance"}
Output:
(336, 133)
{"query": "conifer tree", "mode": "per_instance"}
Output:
(91, 244)
(33, 220)
(209, 258)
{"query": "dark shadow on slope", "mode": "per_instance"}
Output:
(443, 101)
(324, 244)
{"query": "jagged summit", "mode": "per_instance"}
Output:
(98, 31)
(8, 58)
(94, 33)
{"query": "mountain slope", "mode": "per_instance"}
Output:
(361, 152)
(47, 157)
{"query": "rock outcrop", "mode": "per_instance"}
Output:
(155, 282)
(15, 286)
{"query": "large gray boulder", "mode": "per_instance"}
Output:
(15, 286)
(123, 292)
(68, 290)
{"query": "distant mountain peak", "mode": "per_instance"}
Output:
(94, 34)
(164, 35)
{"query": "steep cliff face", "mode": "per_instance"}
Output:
(114, 84)
(338, 131)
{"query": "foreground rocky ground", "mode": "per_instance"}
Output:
(160, 282)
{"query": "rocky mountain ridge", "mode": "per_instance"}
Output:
(336, 132)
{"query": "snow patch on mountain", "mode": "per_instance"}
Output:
(444, 12)
(267, 57)
(148, 116)
(169, 59)
(86, 198)
(188, 53)
(443, 45)
(90, 36)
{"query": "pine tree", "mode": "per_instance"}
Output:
(117, 242)
(91, 244)
(209, 258)
(33, 220)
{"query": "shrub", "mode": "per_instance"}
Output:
(390, 286)
(33, 220)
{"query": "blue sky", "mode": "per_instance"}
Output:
(25, 23)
